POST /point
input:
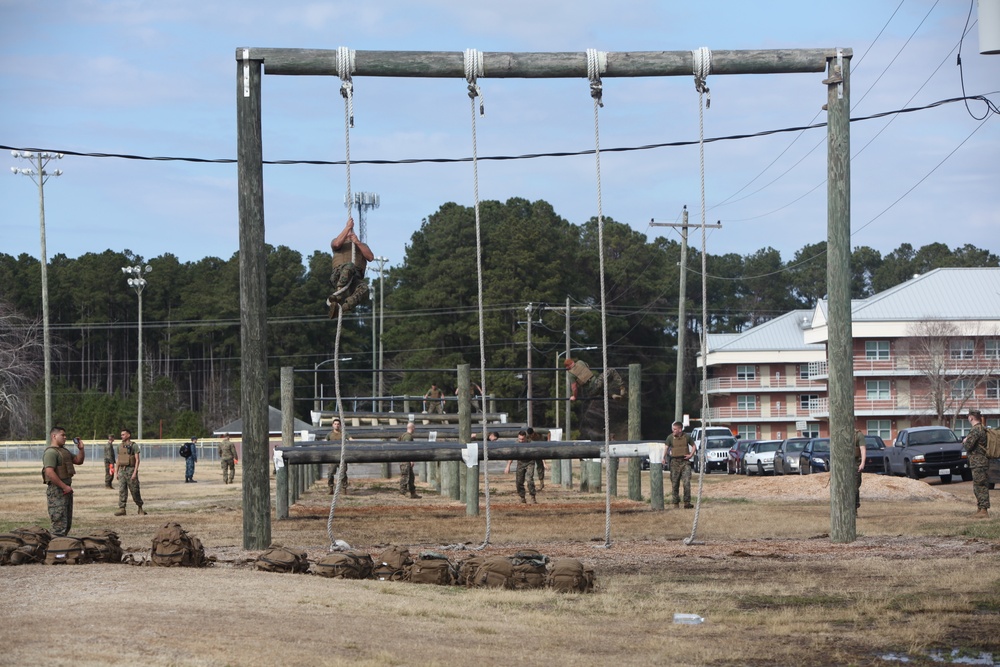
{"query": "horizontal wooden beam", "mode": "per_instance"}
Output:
(374, 452)
(506, 65)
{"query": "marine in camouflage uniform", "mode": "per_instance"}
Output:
(539, 463)
(407, 485)
(680, 449)
(127, 473)
(350, 259)
(975, 445)
(434, 400)
(58, 471)
(860, 454)
(586, 379)
(227, 452)
(109, 462)
(525, 473)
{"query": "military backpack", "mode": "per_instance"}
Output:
(393, 564)
(103, 546)
(993, 443)
(174, 547)
(495, 572)
(432, 567)
(345, 565)
(283, 559)
(66, 551)
(24, 545)
(569, 575)
(466, 569)
(529, 569)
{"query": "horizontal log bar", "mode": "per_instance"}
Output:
(374, 452)
(506, 65)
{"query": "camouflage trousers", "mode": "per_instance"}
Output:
(349, 288)
(189, 468)
(331, 480)
(60, 509)
(109, 476)
(228, 471)
(857, 485)
(525, 473)
(980, 479)
(434, 407)
(680, 471)
(406, 479)
(128, 485)
(540, 471)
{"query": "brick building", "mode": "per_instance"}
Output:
(924, 351)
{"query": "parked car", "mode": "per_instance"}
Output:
(734, 466)
(927, 450)
(759, 457)
(874, 455)
(786, 459)
(698, 433)
(815, 456)
(716, 453)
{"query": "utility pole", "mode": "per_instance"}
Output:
(381, 324)
(681, 307)
(568, 309)
(39, 176)
(529, 308)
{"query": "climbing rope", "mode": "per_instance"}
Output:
(702, 67)
(474, 70)
(597, 63)
(345, 68)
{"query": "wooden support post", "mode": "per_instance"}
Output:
(843, 522)
(253, 306)
(454, 478)
(567, 473)
(464, 405)
(472, 491)
(287, 390)
(281, 493)
(656, 486)
(613, 476)
(594, 471)
(634, 429)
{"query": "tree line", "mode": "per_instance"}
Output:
(191, 318)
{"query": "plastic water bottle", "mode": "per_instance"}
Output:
(688, 619)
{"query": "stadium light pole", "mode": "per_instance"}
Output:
(381, 324)
(317, 399)
(138, 283)
(39, 175)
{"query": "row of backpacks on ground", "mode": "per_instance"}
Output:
(527, 568)
(172, 547)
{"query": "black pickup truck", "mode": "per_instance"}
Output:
(927, 450)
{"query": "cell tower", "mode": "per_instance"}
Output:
(363, 201)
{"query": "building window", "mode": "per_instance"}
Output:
(746, 402)
(747, 432)
(812, 430)
(803, 371)
(993, 423)
(993, 389)
(880, 427)
(963, 388)
(877, 390)
(877, 350)
(804, 400)
(746, 373)
(992, 346)
(961, 349)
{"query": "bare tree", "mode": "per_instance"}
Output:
(21, 367)
(952, 365)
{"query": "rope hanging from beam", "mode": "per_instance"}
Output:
(474, 70)
(597, 64)
(345, 67)
(702, 66)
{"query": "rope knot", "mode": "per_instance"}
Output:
(474, 70)
(345, 68)
(702, 67)
(597, 64)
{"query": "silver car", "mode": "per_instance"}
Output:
(786, 459)
(759, 457)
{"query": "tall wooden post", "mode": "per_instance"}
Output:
(634, 429)
(843, 524)
(287, 440)
(464, 424)
(253, 307)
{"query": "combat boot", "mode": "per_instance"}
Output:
(523, 500)
(982, 513)
(414, 494)
(688, 506)
(141, 512)
(534, 501)
(120, 512)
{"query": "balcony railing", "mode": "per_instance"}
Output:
(903, 405)
(912, 364)
(728, 385)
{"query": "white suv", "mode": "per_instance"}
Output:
(712, 431)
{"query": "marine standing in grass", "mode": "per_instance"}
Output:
(525, 472)
(58, 471)
(109, 461)
(227, 452)
(975, 445)
(127, 473)
(860, 455)
(539, 463)
(406, 477)
(680, 447)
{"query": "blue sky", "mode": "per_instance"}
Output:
(159, 79)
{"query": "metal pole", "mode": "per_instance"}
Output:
(530, 407)
(681, 324)
(139, 425)
(45, 301)
(381, 328)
